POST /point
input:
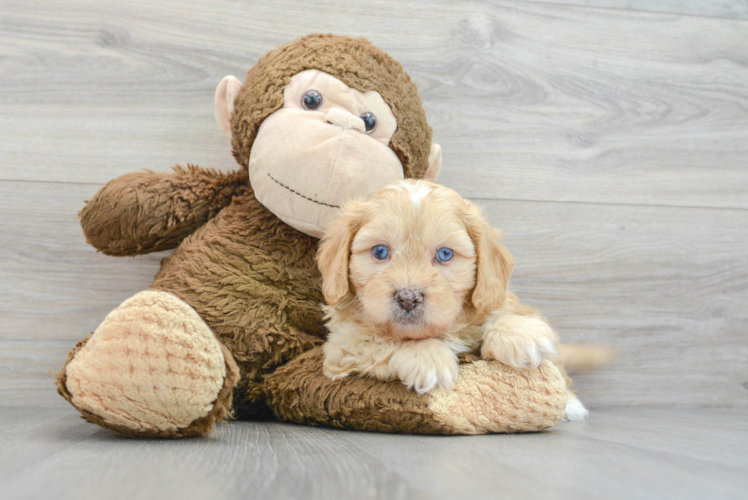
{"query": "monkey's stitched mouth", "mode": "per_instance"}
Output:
(301, 195)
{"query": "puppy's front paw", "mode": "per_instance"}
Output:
(518, 341)
(335, 365)
(423, 365)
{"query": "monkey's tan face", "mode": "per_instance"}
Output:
(327, 145)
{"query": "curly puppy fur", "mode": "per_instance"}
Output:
(407, 313)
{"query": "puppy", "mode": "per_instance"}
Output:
(415, 276)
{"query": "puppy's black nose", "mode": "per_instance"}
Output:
(409, 299)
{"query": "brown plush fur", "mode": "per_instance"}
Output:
(249, 276)
(254, 281)
(358, 64)
(149, 211)
(299, 392)
(508, 401)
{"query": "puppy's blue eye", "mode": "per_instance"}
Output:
(380, 252)
(444, 254)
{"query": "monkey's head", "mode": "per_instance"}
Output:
(323, 120)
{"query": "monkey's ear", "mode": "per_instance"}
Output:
(435, 163)
(226, 93)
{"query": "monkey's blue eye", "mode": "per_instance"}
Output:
(311, 100)
(444, 254)
(380, 252)
(370, 121)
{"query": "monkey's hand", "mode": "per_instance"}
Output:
(148, 211)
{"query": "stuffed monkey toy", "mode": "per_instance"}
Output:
(232, 324)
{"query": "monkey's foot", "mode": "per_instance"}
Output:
(153, 368)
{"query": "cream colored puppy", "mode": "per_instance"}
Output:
(416, 276)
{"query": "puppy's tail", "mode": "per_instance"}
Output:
(583, 357)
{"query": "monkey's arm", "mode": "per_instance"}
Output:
(148, 211)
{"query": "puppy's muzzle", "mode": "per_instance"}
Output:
(409, 300)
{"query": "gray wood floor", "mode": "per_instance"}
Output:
(732, 9)
(618, 453)
(607, 138)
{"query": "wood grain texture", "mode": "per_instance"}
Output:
(667, 287)
(55, 286)
(648, 454)
(731, 9)
(539, 102)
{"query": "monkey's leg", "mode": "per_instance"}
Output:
(488, 397)
(153, 368)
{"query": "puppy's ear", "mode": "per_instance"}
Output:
(495, 263)
(334, 250)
